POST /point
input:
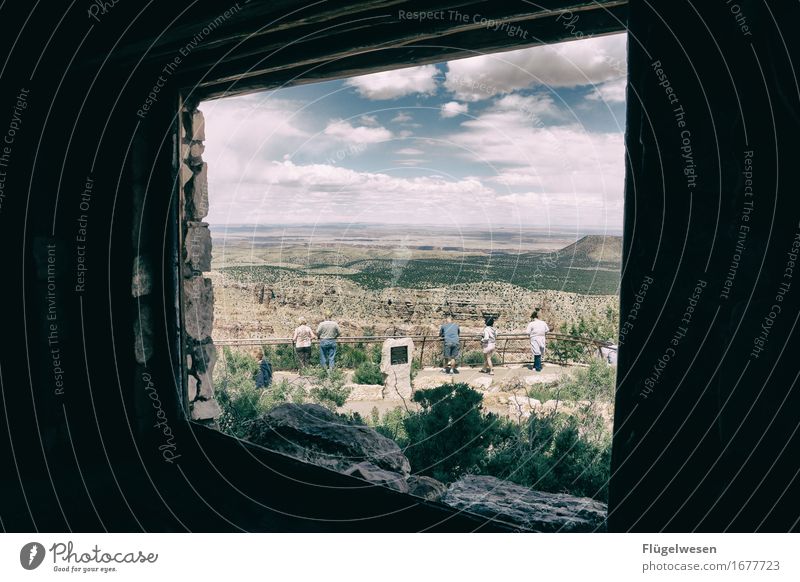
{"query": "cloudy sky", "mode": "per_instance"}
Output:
(530, 138)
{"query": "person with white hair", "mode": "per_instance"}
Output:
(302, 337)
(537, 329)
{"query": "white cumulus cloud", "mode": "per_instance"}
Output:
(568, 64)
(397, 83)
(453, 108)
(362, 135)
(610, 92)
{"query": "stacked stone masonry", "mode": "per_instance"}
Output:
(198, 293)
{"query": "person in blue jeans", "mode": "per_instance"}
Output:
(327, 332)
(449, 332)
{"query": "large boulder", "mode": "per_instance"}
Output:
(314, 434)
(529, 510)
(374, 474)
(426, 487)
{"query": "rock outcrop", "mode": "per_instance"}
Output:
(374, 474)
(529, 510)
(426, 487)
(314, 434)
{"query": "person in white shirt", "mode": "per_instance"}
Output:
(488, 343)
(536, 330)
(609, 352)
(302, 337)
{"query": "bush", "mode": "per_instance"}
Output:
(551, 454)
(350, 356)
(595, 382)
(281, 356)
(391, 424)
(564, 351)
(368, 373)
(595, 328)
(415, 368)
(475, 358)
(449, 436)
(329, 389)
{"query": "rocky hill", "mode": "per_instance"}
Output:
(594, 250)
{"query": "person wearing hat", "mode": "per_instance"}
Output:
(302, 337)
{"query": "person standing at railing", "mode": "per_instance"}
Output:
(327, 331)
(450, 333)
(536, 330)
(608, 352)
(302, 337)
(488, 344)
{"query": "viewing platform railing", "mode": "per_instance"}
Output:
(512, 348)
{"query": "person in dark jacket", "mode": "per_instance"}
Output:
(264, 373)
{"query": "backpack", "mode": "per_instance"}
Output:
(263, 376)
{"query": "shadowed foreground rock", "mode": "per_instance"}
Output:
(426, 487)
(374, 474)
(313, 434)
(530, 510)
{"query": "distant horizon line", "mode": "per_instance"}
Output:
(560, 228)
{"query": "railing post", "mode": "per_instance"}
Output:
(422, 353)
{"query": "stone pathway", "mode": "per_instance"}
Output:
(502, 378)
(504, 392)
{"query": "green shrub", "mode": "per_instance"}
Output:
(391, 424)
(329, 390)
(449, 436)
(563, 352)
(599, 328)
(368, 373)
(475, 358)
(375, 353)
(415, 368)
(281, 356)
(350, 356)
(595, 382)
(551, 454)
(541, 392)
(241, 402)
(239, 368)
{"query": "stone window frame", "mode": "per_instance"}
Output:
(196, 293)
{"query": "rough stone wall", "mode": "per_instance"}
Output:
(198, 292)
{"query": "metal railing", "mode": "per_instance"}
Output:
(512, 348)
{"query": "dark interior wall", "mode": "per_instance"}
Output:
(94, 429)
(707, 405)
